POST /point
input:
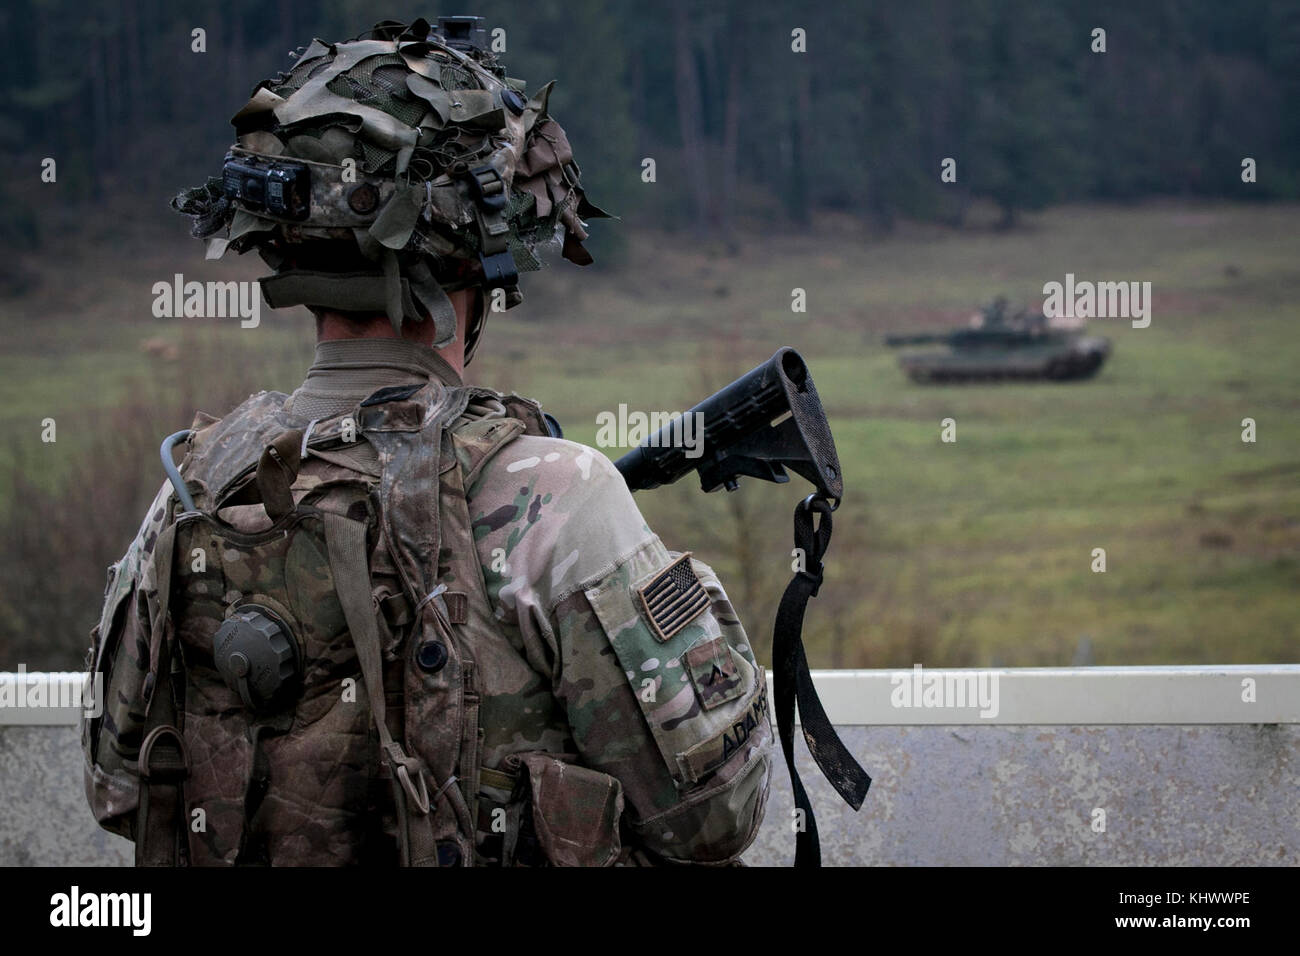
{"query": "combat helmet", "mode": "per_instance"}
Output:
(378, 174)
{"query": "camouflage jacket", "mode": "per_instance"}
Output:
(621, 715)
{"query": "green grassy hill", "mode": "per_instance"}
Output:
(974, 552)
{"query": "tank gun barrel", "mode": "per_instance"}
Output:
(917, 338)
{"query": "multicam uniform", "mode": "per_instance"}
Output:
(567, 559)
(494, 659)
(621, 715)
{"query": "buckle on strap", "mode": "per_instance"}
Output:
(499, 270)
(164, 758)
(488, 190)
(487, 187)
(814, 579)
(417, 790)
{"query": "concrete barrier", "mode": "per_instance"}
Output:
(1176, 766)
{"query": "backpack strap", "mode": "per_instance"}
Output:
(163, 764)
(406, 424)
(222, 451)
(409, 426)
(345, 540)
(529, 412)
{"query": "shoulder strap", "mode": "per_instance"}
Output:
(793, 684)
(477, 440)
(527, 411)
(345, 540)
(224, 450)
(408, 427)
(163, 764)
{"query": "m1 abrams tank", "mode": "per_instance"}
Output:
(995, 347)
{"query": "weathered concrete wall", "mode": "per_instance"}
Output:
(44, 820)
(942, 795)
(1015, 795)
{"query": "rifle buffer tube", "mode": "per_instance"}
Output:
(769, 417)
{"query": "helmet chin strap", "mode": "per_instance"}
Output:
(437, 303)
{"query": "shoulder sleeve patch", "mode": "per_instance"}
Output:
(712, 669)
(672, 598)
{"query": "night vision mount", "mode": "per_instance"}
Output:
(462, 33)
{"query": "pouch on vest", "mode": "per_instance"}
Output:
(573, 813)
(273, 681)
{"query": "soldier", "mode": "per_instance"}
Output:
(392, 618)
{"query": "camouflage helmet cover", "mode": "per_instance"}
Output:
(425, 162)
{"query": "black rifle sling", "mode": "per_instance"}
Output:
(792, 681)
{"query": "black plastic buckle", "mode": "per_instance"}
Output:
(482, 177)
(499, 269)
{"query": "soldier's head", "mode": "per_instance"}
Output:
(402, 175)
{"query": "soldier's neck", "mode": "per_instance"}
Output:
(331, 326)
(346, 371)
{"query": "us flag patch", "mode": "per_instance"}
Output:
(673, 598)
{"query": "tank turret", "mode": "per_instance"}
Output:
(998, 346)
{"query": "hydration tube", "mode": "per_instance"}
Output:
(169, 466)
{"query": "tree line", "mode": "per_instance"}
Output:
(769, 111)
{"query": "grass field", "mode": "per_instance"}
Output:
(968, 553)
